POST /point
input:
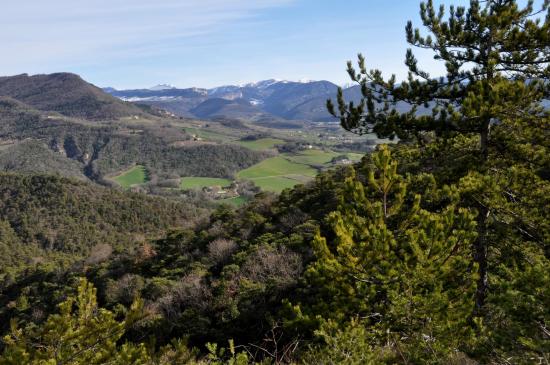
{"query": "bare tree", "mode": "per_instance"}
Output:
(221, 249)
(99, 253)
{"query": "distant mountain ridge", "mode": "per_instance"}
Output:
(162, 87)
(66, 94)
(275, 99)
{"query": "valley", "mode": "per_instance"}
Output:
(308, 154)
(150, 150)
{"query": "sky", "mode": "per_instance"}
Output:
(205, 43)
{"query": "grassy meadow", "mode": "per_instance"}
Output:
(261, 144)
(134, 176)
(319, 157)
(201, 182)
(277, 173)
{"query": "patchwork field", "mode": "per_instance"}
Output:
(135, 176)
(319, 157)
(277, 183)
(201, 182)
(355, 157)
(261, 144)
(277, 173)
(287, 170)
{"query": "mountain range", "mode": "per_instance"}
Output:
(259, 101)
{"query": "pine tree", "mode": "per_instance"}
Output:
(401, 268)
(87, 335)
(497, 60)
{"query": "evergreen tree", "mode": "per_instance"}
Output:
(400, 267)
(88, 335)
(497, 60)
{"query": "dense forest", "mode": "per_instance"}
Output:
(434, 249)
(50, 220)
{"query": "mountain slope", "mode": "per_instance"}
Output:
(31, 156)
(49, 216)
(156, 93)
(315, 108)
(284, 97)
(217, 107)
(67, 94)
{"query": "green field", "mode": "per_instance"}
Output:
(135, 176)
(319, 157)
(277, 183)
(287, 170)
(277, 173)
(201, 182)
(261, 144)
(314, 157)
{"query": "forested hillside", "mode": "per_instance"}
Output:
(35, 156)
(99, 150)
(434, 249)
(46, 220)
(67, 94)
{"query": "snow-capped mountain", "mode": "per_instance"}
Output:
(162, 87)
(291, 100)
(263, 84)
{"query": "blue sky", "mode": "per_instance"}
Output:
(205, 43)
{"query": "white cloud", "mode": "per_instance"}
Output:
(56, 33)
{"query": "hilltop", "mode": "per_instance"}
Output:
(66, 94)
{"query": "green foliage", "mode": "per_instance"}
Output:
(216, 356)
(431, 250)
(81, 333)
(43, 216)
(351, 345)
(84, 333)
(497, 66)
(100, 150)
(403, 268)
(495, 57)
(34, 157)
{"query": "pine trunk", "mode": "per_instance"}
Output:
(484, 141)
(480, 246)
(480, 257)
